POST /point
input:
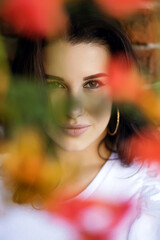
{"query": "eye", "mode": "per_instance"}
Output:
(93, 84)
(55, 84)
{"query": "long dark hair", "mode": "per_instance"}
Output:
(86, 24)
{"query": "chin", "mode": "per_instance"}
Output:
(73, 146)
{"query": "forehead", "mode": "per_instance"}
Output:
(62, 57)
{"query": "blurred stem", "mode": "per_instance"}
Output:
(4, 77)
(3, 56)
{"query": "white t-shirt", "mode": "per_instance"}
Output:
(114, 182)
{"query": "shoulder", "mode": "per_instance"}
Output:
(150, 190)
(143, 181)
(136, 180)
(147, 223)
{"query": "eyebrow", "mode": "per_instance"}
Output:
(95, 76)
(47, 76)
(53, 77)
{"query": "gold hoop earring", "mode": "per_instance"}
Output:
(117, 124)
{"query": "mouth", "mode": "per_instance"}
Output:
(75, 130)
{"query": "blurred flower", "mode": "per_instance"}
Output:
(4, 86)
(119, 8)
(4, 74)
(92, 218)
(124, 80)
(34, 17)
(149, 104)
(26, 166)
(128, 86)
(4, 82)
(145, 148)
(25, 157)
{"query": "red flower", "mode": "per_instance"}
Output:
(122, 7)
(124, 81)
(128, 86)
(93, 219)
(34, 17)
(146, 148)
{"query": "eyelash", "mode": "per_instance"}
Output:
(54, 83)
(100, 84)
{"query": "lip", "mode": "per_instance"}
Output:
(75, 130)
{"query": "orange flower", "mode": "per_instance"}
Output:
(34, 17)
(149, 103)
(25, 157)
(119, 8)
(28, 171)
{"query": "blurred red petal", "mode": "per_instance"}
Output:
(34, 17)
(84, 215)
(147, 147)
(124, 81)
(120, 8)
(127, 85)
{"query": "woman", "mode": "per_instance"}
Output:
(93, 131)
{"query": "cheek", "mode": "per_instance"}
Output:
(100, 123)
(98, 107)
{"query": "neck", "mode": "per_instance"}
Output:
(80, 168)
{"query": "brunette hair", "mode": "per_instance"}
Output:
(86, 24)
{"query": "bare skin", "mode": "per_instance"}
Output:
(80, 71)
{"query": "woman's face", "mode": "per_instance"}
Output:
(79, 72)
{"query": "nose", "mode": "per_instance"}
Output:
(75, 108)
